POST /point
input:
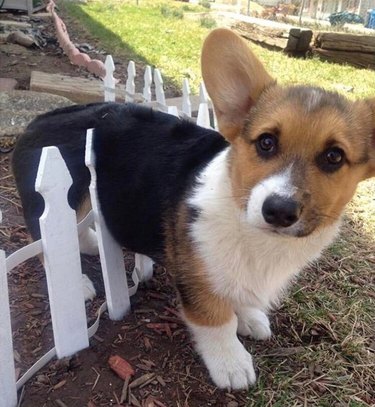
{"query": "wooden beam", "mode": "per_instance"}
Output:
(346, 42)
(78, 90)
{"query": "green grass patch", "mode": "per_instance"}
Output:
(155, 33)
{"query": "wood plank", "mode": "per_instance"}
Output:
(346, 42)
(289, 39)
(78, 90)
(353, 58)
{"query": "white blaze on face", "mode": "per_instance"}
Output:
(278, 184)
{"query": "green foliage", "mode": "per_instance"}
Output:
(208, 22)
(205, 3)
(171, 12)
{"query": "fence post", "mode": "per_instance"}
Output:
(8, 391)
(62, 262)
(147, 85)
(159, 91)
(203, 118)
(111, 255)
(186, 104)
(130, 83)
(109, 80)
(173, 111)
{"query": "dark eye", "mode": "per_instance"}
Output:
(331, 159)
(266, 145)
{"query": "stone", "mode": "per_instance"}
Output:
(7, 84)
(19, 107)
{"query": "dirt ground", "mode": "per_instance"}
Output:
(164, 352)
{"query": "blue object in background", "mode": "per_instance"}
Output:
(345, 17)
(371, 19)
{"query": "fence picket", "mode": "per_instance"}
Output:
(111, 255)
(147, 95)
(62, 261)
(130, 83)
(203, 95)
(173, 110)
(8, 389)
(109, 80)
(159, 91)
(186, 103)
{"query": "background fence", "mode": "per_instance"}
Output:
(59, 243)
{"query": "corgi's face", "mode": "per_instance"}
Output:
(298, 152)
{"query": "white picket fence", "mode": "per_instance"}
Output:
(59, 244)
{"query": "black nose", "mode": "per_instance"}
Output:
(280, 211)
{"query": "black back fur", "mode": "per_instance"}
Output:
(146, 163)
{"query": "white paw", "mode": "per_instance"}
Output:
(89, 291)
(253, 322)
(231, 369)
(228, 362)
(88, 242)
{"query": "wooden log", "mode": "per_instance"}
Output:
(263, 35)
(292, 40)
(362, 60)
(78, 90)
(346, 42)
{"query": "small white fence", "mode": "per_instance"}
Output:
(59, 245)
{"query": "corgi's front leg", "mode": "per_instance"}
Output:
(215, 335)
(253, 322)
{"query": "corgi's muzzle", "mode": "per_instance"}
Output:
(276, 205)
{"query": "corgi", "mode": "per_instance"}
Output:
(233, 216)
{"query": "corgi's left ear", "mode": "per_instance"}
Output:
(234, 78)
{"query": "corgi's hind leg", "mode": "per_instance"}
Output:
(88, 241)
(253, 322)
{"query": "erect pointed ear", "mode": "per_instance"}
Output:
(234, 78)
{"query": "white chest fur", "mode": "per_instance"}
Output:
(245, 264)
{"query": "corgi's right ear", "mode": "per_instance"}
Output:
(234, 78)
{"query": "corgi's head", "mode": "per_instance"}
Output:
(298, 152)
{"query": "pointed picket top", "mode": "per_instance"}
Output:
(203, 95)
(203, 118)
(147, 95)
(52, 172)
(159, 91)
(109, 80)
(186, 103)
(130, 83)
(173, 111)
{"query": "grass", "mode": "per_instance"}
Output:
(155, 33)
(323, 350)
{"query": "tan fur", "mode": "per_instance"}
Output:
(232, 94)
(199, 304)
